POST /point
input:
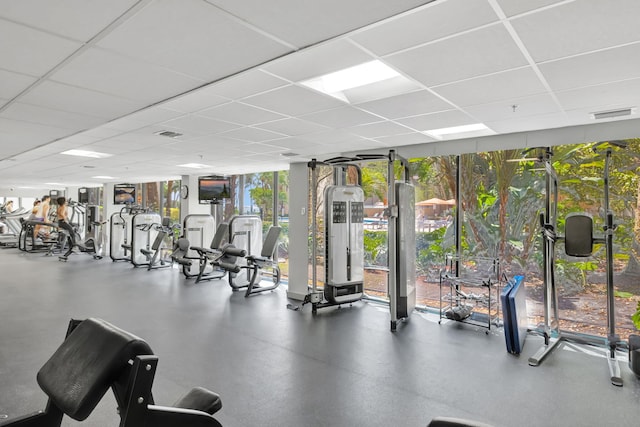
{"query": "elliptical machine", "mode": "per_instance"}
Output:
(89, 245)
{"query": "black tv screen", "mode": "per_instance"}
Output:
(124, 194)
(213, 188)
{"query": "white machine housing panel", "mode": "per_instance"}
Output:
(199, 230)
(143, 232)
(344, 234)
(406, 249)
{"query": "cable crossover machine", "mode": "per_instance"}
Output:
(344, 236)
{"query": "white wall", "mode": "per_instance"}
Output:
(190, 205)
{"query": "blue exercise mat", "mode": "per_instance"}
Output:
(514, 309)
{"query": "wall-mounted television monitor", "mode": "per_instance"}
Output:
(124, 194)
(83, 195)
(212, 189)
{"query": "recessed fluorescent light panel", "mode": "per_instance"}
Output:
(103, 177)
(194, 166)
(464, 131)
(364, 82)
(86, 153)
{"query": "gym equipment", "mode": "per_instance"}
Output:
(634, 354)
(264, 264)
(401, 240)
(207, 255)
(245, 232)
(579, 242)
(455, 422)
(514, 311)
(29, 242)
(143, 232)
(86, 243)
(198, 230)
(96, 356)
(120, 232)
(233, 260)
(179, 254)
(344, 237)
(155, 256)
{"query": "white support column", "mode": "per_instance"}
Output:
(298, 231)
(190, 205)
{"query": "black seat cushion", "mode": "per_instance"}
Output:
(455, 422)
(200, 399)
(87, 363)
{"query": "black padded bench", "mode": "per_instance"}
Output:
(96, 356)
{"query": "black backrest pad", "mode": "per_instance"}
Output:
(87, 363)
(270, 242)
(578, 232)
(159, 239)
(220, 236)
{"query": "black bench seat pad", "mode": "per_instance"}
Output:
(87, 363)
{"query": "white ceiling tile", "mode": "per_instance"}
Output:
(292, 127)
(292, 143)
(11, 84)
(193, 37)
(320, 60)
(487, 50)
(342, 117)
(595, 68)
(50, 117)
(331, 137)
(439, 120)
(578, 27)
(193, 125)
(68, 98)
(259, 148)
(516, 7)
(544, 121)
(494, 87)
(409, 104)
(36, 53)
(306, 23)
(405, 139)
(246, 84)
(438, 19)
(294, 101)
(102, 132)
(379, 129)
(104, 71)
(602, 97)
(142, 118)
(582, 116)
(77, 19)
(195, 100)
(249, 134)
(240, 113)
(525, 107)
(24, 135)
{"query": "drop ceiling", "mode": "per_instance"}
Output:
(226, 75)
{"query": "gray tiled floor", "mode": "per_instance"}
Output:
(278, 367)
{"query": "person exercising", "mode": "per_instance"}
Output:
(63, 222)
(42, 214)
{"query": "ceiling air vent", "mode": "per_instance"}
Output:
(612, 113)
(168, 133)
(290, 154)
